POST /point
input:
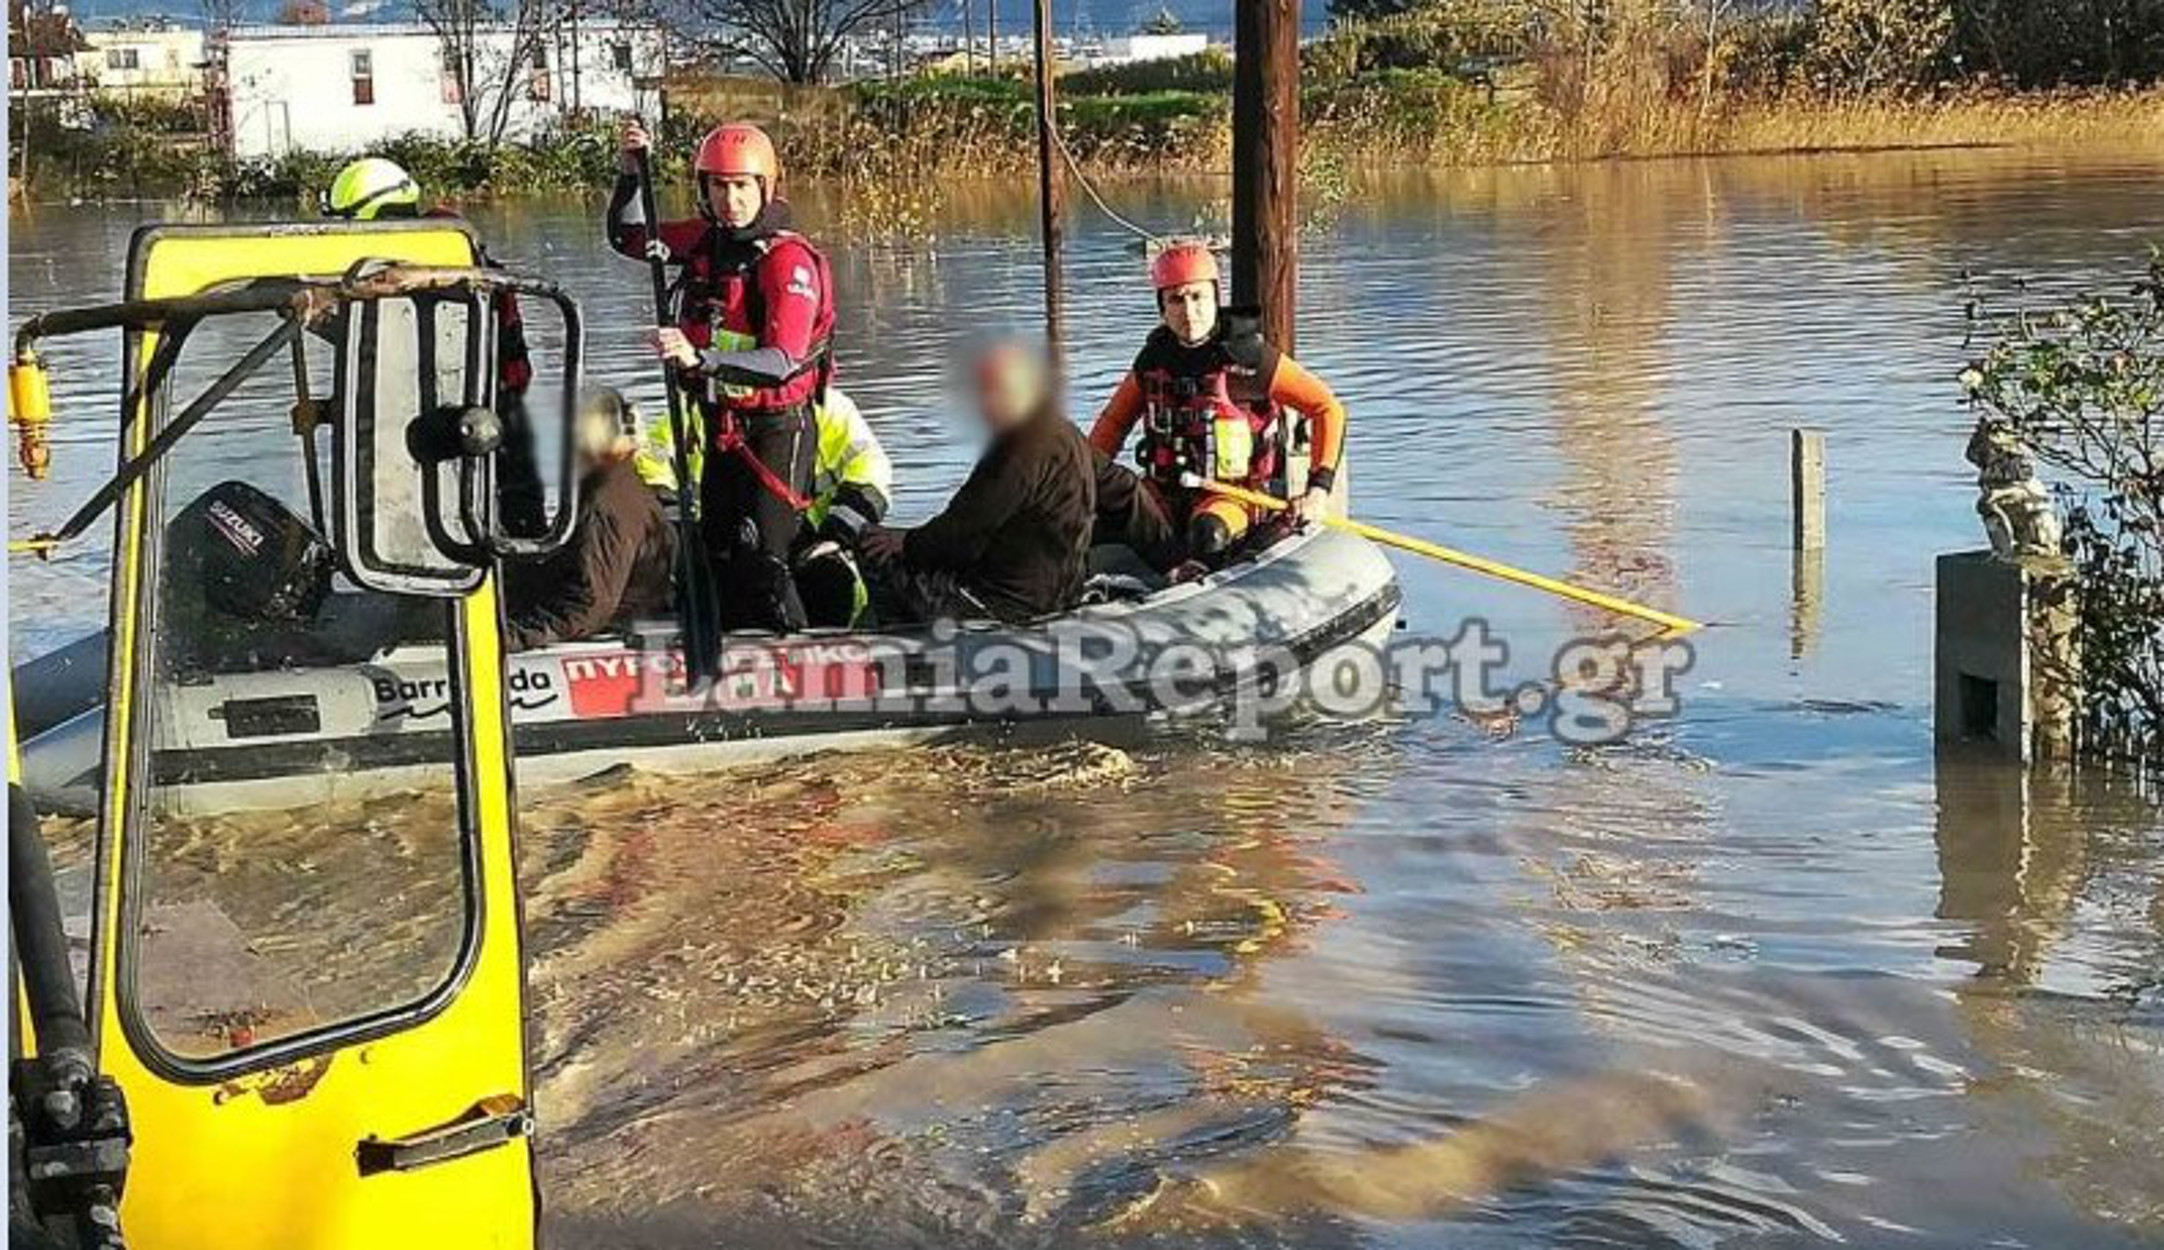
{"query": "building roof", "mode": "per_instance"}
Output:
(397, 30)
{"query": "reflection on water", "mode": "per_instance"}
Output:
(1769, 975)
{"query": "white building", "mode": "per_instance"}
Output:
(147, 60)
(1125, 49)
(347, 88)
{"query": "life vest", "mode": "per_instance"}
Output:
(718, 304)
(849, 454)
(1205, 412)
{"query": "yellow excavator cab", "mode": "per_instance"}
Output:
(302, 1028)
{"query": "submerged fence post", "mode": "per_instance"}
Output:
(1806, 599)
(1807, 526)
(1807, 488)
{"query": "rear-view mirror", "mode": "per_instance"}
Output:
(458, 389)
(409, 369)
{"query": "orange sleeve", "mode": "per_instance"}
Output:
(1295, 387)
(1118, 416)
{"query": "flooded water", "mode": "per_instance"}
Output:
(1771, 973)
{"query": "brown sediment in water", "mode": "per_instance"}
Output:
(1558, 1128)
(777, 1078)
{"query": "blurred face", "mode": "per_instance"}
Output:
(599, 437)
(1012, 385)
(1190, 310)
(735, 199)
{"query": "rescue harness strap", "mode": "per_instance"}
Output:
(730, 439)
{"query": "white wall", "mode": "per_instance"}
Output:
(1128, 48)
(167, 62)
(293, 87)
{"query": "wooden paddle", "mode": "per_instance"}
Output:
(697, 604)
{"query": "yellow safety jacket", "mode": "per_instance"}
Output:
(849, 457)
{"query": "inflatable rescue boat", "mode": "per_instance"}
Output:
(297, 734)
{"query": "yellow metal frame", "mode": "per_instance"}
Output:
(265, 1157)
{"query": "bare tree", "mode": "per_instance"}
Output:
(488, 49)
(220, 16)
(795, 40)
(1714, 17)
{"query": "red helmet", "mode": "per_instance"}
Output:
(1182, 263)
(737, 149)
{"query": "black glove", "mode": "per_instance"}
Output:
(854, 510)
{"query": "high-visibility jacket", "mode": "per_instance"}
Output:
(850, 471)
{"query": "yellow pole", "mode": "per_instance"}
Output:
(1670, 624)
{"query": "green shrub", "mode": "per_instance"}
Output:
(1207, 71)
(113, 148)
(1434, 35)
(2080, 387)
(1163, 126)
(945, 90)
(1410, 112)
(296, 177)
(2044, 43)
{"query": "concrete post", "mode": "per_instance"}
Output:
(1807, 488)
(1806, 597)
(2007, 671)
(1807, 564)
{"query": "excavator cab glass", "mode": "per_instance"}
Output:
(313, 1000)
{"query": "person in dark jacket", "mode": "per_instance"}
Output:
(1013, 543)
(619, 564)
(1130, 513)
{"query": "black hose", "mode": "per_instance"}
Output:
(261, 295)
(41, 940)
(213, 395)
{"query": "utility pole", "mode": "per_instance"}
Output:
(991, 35)
(969, 41)
(577, 101)
(1051, 185)
(1265, 161)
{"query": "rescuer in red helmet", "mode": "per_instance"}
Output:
(1208, 392)
(754, 317)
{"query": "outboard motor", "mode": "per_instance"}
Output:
(256, 559)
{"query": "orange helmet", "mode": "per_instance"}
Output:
(737, 149)
(1182, 263)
